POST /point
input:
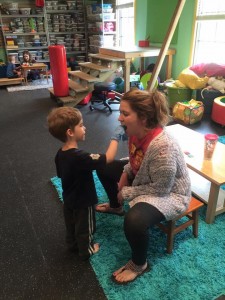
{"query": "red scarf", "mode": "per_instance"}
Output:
(138, 147)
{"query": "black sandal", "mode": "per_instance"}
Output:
(134, 268)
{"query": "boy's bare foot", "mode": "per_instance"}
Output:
(129, 272)
(96, 248)
(105, 208)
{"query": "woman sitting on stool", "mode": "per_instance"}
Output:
(155, 181)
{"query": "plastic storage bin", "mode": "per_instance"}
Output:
(13, 11)
(13, 5)
(108, 16)
(207, 97)
(25, 11)
(175, 95)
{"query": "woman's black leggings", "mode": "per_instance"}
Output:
(109, 177)
(138, 219)
(137, 222)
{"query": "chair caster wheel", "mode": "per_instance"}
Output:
(91, 108)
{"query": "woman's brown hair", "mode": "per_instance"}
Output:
(151, 106)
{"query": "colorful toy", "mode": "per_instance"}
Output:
(32, 24)
(217, 84)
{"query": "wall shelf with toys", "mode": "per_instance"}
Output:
(26, 27)
(101, 20)
(67, 26)
(23, 28)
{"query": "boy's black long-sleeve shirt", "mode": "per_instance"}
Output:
(75, 167)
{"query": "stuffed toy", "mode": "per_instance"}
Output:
(191, 80)
(179, 84)
(209, 69)
(217, 84)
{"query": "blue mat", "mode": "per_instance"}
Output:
(195, 269)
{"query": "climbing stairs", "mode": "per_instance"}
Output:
(81, 83)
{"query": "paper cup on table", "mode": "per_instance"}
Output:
(210, 144)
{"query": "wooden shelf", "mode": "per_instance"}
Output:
(67, 32)
(24, 33)
(30, 48)
(75, 52)
(22, 16)
(63, 11)
(109, 32)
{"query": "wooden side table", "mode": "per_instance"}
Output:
(35, 66)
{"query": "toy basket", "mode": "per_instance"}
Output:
(188, 112)
(177, 94)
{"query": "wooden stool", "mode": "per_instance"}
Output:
(170, 228)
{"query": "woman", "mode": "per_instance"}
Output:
(155, 181)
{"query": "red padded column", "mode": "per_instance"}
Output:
(58, 65)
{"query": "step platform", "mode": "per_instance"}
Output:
(106, 57)
(64, 101)
(83, 77)
(78, 88)
(92, 66)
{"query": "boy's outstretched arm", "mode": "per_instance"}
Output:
(111, 151)
(119, 135)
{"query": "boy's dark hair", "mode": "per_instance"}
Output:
(61, 119)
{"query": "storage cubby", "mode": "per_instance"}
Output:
(101, 22)
(26, 27)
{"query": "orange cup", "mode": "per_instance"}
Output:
(210, 144)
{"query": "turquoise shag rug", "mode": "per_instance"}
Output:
(221, 139)
(195, 269)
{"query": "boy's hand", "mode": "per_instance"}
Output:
(120, 198)
(119, 134)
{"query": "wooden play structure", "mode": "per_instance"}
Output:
(104, 64)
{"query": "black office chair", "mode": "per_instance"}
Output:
(101, 96)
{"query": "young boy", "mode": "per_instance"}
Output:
(74, 167)
(12, 71)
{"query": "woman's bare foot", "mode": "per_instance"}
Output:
(129, 272)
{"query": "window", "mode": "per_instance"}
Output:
(210, 32)
(125, 22)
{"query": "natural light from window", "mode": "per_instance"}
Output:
(125, 15)
(210, 32)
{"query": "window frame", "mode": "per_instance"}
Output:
(119, 7)
(201, 42)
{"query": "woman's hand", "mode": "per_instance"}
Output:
(123, 181)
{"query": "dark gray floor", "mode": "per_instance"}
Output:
(34, 262)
